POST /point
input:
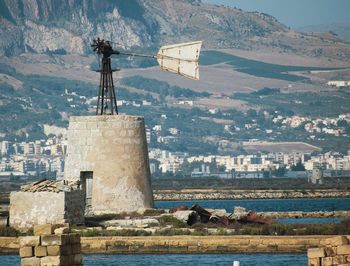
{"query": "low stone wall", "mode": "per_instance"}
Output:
(200, 244)
(227, 194)
(187, 244)
(9, 245)
(334, 251)
(50, 247)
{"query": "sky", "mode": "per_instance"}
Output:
(296, 13)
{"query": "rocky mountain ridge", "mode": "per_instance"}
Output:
(60, 27)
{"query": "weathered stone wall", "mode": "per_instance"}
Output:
(200, 244)
(188, 244)
(333, 251)
(114, 148)
(28, 209)
(31, 208)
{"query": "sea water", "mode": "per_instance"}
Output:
(267, 205)
(182, 260)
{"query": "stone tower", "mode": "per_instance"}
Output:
(109, 155)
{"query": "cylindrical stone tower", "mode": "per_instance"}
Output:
(109, 155)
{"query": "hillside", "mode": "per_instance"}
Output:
(46, 62)
(60, 27)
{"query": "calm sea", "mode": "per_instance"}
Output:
(182, 260)
(267, 205)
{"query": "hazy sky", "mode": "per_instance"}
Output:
(296, 13)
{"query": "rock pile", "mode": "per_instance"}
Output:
(50, 186)
(334, 251)
(51, 245)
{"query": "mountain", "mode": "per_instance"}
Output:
(67, 26)
(340, 29)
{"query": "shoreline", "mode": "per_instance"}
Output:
(230, 194)
(186, 244)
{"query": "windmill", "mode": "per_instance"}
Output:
(180, 58)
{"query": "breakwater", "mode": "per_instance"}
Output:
(186, 244)
(226, 194)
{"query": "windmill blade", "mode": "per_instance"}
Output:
(181, 58)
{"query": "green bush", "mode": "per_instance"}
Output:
(153, 212)
(123, 232)
(172, 232)
(170, 220)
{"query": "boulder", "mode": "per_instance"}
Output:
(189, 217)
(239, 213)
(136, 223)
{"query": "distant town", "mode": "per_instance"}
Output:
(45, 158)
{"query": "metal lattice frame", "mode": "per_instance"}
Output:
(106, 102)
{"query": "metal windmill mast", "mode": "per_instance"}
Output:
(180, 58)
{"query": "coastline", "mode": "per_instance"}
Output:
(186, 244)
(230, 194)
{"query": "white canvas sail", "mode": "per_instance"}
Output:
(181, 58)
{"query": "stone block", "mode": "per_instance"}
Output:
(54, 250)
(33, 261)
(43, 229)
(330, 251)
(347, 258)
(78, 259)
(327, 261)
(314, 262)
(343, 250)
(31, 241)
(54, 240)
(316, 253)
(52, 261)
(339, 259)
(25, 252)
(335, 241)
(40, 251)
(62, 230)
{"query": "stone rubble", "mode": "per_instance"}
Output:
(45, 185)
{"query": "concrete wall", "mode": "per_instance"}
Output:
(114, 148)
(31, 208)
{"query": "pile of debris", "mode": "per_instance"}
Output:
(197, 214)
(46, 185)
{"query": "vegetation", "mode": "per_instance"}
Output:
(342, 228)
(162, 88)
(170, 220)
(153, 212)
(318, 104)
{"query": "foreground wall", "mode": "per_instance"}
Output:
(188, 244)
(32, 208)
(114, 149)
(333, 251)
